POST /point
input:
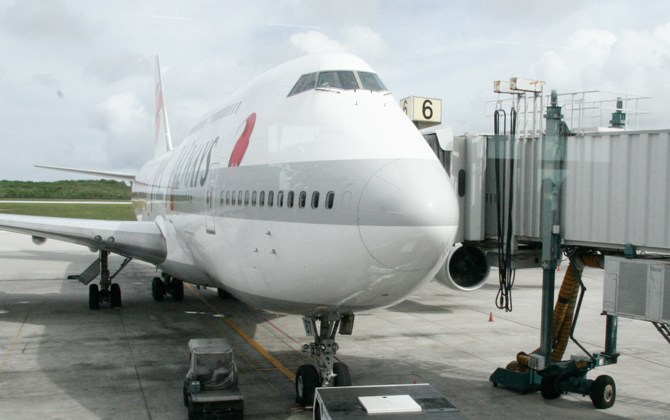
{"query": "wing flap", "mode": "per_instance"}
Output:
(141, 240)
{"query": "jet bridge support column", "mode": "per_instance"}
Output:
(553, 152)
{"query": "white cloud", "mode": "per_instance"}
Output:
(313, 42)
(42, 19)
(127, 125)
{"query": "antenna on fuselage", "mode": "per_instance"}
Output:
(162, 141)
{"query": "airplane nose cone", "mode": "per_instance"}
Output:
(408, 214)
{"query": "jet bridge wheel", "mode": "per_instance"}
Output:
(603, 392)
(93, 297)
(306, 380)
(157, 289)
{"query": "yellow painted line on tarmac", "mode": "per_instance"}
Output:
(276, 363)
(16, 339)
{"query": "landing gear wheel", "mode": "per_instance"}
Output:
(223, 294)
(93, 296)
(603, 392)
(177, 289)
(343, 377)
(115, 295)
(548, 387)
(306, 380)
(157, 289)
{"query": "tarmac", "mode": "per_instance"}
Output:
(60, 360)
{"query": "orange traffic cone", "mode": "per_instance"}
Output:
(491, 317)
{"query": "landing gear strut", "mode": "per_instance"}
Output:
(169, 285)
(328, 371)
(107, 291)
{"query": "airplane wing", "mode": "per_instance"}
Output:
(141, 240)
(105, 174)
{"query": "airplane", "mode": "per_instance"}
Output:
(308, 191)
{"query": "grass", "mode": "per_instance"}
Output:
(78, 211)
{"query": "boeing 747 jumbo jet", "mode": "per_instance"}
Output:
(307, 191)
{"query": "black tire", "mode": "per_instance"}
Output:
(306, 380)
(548, 387)
(93, 296)
(343, 377)
(193, 412)
(177, 289)
(223, 294)
(185, 392)
(603, 392)
(157, 289)
(115, 292)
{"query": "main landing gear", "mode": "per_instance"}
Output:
(328, 371)
(168, 285)
(107, 291)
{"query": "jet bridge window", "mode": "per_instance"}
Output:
(337, 79)
(306, 82)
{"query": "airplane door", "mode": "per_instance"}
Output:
(211, 199)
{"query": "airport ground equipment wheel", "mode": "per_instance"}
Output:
(343, 377)
(603, 392)
(548, 387)
(93, 296)
(115, 295)
(223, 294)
(157, 289)
(177, 289)
(306, 381)
(194, 412)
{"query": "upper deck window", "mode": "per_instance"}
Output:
(371, 81)
(337, 79)
(306, 82)
(341, 79)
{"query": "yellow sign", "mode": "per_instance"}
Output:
(425, 111)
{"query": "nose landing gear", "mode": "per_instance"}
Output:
(328, 371)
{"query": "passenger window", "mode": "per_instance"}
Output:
(271, 196)
(261, 199)
(330, 200)
(306, 82)
(239, 198)
(315, 200)
(228, 198)
(371, 81)
(302, 200)
(253, 198)
(280, 199)
(234, 198)
(289, 199)
(246, 199)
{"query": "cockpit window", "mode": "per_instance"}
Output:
(337, 79)
(306, 82)
(371, 81)
(341, 79)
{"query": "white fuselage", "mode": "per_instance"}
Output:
(373, 214)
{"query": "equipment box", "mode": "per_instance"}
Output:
(414, 401)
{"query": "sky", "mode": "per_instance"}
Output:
(76, 77)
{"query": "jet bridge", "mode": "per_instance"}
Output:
(599, 195)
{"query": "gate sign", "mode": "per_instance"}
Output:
(424, 112)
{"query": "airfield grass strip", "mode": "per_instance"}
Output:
(77, 211)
